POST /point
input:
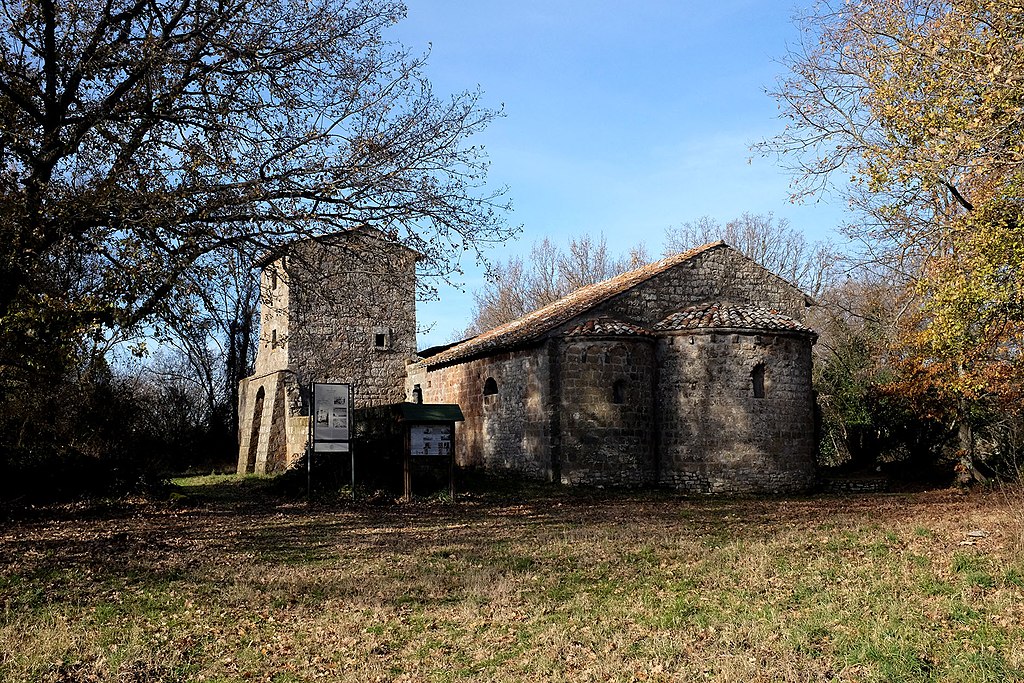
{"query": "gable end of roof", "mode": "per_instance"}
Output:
(532, 326)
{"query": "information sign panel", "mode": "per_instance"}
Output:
(430, 439)
(331, 447)
(331, 417)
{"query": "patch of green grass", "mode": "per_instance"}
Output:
(987, 665)
(964, 563)
(965, 615)
(932, 586)
(973, 569)
(215, 479)
(519, 564)
(1014, 576)
(921, 561)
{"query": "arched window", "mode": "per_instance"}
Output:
(417, 394)
(490, 391)
(757, 380)
(619, 391)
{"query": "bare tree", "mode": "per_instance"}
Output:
(767, 240)
(142, 139)
(217, 337)
(504, 297)
(542, 281)
(515, 288)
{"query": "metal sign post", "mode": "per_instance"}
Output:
(330, 419)
(309, 449)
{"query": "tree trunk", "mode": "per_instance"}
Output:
(966, 472)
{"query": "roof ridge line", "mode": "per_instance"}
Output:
(478, 344)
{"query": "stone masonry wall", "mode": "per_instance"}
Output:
(263, 427)
(508, 431)
(272, 351)
(607, 411)
(352, 316)
(341, 310)
(716, 436)
(719, 274)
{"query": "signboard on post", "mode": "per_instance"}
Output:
(330, 425)
(430, 438)
(332, 418)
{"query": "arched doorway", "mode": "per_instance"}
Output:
(254, 435)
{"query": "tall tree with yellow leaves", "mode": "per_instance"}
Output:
(915, 110)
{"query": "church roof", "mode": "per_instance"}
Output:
(533, 326)
(727, 316)
(607, 327)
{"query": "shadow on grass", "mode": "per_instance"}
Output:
(213, 529)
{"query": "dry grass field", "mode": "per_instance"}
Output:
(533, 584)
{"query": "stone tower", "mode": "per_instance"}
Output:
(340, 308)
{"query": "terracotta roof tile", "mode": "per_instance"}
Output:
(607, 327)
(718, 315)
(534, 325)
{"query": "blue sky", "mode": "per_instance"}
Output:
(621, 118)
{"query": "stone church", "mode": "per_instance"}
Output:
(693, 372)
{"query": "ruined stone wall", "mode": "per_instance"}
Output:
(716, 435)
(264, 434)
(719, 274)
(510, 430)
(607, 411)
